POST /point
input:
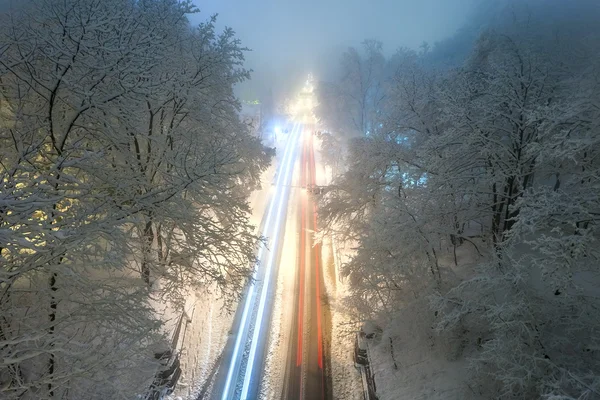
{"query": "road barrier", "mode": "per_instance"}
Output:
(362, 361)
(167, 377)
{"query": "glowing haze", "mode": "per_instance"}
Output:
(291, 38)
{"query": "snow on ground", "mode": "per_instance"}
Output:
(204, 339)
(279, 333)
(421, 366)
(279, 336)
(410, 361)
(206, 333)
(346, 378)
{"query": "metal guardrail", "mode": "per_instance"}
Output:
(362, 361)
(167, 377)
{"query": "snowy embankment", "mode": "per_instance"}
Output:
(345, 377)
(205, 328)
(208, 324)
(410, 361)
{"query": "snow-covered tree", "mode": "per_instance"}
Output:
(123, 162)
(351, 106)
(499, 155)
(533, 307)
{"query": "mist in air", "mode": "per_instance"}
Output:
(300, 199)
(289, 39)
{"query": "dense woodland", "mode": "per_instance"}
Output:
(124, 176)
(466, 181)
(483, 147)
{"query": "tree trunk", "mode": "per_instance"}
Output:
(497, 208)
(147, 239)
(52, 319)
(509, 215)
(159, 244)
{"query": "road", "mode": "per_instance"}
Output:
(240, 371)
(305, 371)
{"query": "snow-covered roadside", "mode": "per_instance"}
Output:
(346, 379)
(410, 361)
(423, 365)
(279, 334)
(204, 338)
(207, 331)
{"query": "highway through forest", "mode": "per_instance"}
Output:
(240, 372)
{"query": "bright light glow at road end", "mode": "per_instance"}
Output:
(286, 157)
(265, 287)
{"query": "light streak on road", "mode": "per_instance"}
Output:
(265, 288)
(280, 195)
(305, 374)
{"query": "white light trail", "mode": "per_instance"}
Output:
(265, 287)
(232, 366)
